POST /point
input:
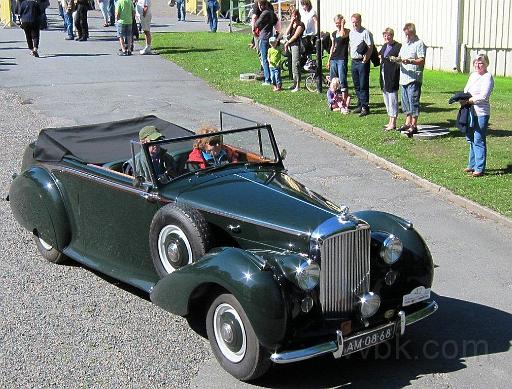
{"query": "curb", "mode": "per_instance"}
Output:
(470, 206)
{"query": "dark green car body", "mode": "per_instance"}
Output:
(263, 226)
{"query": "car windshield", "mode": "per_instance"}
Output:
(173, 158)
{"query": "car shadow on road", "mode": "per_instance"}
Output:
(439, 344)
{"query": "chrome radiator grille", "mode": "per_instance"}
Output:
(345, 270)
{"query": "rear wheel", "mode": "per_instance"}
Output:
(233, 340)
(50, 253)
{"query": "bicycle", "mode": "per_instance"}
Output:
(312, 79)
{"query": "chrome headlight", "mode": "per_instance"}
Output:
(369, 304)
(391, 249)
(308, 274)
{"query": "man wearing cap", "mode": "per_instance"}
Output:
(162, 162)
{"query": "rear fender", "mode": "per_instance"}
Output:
(239, 272)
(37, 204)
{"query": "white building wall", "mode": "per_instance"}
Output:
(453, 30)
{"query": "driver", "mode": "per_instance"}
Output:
(162, 162)
(209, 151)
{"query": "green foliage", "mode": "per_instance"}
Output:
(220, 59)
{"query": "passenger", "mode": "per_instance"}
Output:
(209, 151)
(162, 162)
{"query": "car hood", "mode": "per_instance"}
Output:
(263, 197)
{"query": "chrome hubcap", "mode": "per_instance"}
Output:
(173, 248)
(46, 246)
(229, 332)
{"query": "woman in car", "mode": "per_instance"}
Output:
(209, 151)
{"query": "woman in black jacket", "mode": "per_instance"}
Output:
(30, 14)
(389, 76)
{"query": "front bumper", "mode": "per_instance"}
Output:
(336, 346)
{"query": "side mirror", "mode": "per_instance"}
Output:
(283, 154)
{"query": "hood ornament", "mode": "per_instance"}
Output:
(344, 214)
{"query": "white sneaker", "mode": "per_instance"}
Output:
(295, 89)
(145, 50)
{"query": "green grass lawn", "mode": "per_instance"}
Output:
(220, 58)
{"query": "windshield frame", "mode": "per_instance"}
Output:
(259, 127)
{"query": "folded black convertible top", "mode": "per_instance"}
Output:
(99, 143)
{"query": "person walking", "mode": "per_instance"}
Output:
(361, 47)
(389, 76)
(124, 19)
(180, 10)
(30, 15)
(82, 27)
(412, 61)
(212, 6)
(144, 11)
(480, 85)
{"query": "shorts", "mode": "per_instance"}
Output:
(124, 30)
(145, 22)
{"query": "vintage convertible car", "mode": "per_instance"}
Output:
(268, 270)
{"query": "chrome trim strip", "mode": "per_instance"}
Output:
(96, 178)
(332, 346)
(421, 314)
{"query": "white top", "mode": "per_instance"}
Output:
(480, 87)
(307, 19)
(412, 49)
(140, 7)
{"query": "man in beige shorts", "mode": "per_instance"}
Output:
(144, 12)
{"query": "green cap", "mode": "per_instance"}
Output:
(150, 133)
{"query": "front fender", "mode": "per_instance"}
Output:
(37, 204)
(243, 275)
(418, 261)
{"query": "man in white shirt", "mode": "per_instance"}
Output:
(144, 11)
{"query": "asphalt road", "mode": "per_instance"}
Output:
(65, 326)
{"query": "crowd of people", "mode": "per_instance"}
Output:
(401, 64)
(129, 16)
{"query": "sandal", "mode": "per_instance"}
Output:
(405, 127)
(387, 128)
(106, 24)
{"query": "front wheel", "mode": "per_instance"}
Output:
(311, 82)
(233, 340)
(48, 252)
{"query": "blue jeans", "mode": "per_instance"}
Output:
(211, 12)
(68, 24)
(361, 80)
(275, 76)
(264, 60)
(338, 68)
(180, 8)
(411, 94)
(477, 145)
(112, 10)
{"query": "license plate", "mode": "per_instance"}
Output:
(368, 339)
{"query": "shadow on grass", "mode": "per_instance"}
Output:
(174, 50)
(499, 133)
(499, 172)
